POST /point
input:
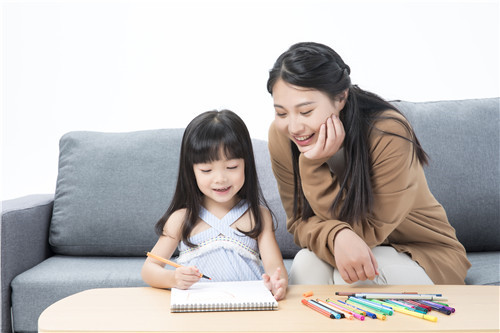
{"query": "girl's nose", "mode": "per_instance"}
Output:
(220, 177)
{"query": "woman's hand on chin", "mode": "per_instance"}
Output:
(330, 138)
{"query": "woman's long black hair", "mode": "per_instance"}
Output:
(317, 66)
(202, 142)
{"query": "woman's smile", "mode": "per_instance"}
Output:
(304, 140)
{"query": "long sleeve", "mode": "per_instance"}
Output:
(394, 180)
(405, 214)
(316, 233)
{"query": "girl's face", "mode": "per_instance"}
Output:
(301, 111)
(220, 181)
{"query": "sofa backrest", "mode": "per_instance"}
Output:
(462, 140)
(113, 187)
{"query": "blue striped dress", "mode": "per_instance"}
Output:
(221, 252)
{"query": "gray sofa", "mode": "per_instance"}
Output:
(113, 187)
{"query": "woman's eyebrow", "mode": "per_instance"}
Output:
(296, 106)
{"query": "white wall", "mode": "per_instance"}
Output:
(120, 65)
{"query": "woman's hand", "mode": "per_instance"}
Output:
(276, 283)
(355, 260)
(185, 277)
(330, 138)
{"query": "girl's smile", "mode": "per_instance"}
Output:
(222, 190)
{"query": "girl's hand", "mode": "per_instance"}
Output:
(185, 277)
(330, 138)
(276, 283)
(355, 260)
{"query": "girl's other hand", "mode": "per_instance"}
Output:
(355, 260)
(276, 284)
(330, 138)
(185, 277)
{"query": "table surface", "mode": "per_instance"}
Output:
(148, 310)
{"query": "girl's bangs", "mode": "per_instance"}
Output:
(211, 148)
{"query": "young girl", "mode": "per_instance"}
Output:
(218, 216)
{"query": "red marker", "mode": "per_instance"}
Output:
(318, 309)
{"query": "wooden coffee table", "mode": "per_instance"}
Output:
(148, 310)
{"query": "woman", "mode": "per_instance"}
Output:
(350, 174)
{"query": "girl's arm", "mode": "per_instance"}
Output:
(153, 271)
(275, 276)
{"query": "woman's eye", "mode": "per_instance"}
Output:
(305, 113)
(280, 113)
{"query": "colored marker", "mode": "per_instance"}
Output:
(373, 305)
(317, 309)
(446, 306)
(171, 263)
(369, 311)
(337, 309)
(406, 306)
(336, 314)
(345, 309)
(413, 306)
(423, 306)
(430, 297)
(415, 314)
(357, 310)
(438, 307)
(401, 309)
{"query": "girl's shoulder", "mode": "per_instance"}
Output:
(267, 218)
(264, 211)
(174, 223)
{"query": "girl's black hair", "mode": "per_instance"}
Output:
(203, 139)
(317, 66)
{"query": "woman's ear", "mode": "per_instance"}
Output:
(344, 95)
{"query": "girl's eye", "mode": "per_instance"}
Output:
(232, 167)
(205, 170)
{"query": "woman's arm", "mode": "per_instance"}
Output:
(394, 187)
(316, 233)
(276, 276)
(394, 171)
(153, 271)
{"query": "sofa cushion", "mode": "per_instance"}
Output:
(61, 276)
(113, 187)
(462, 140)
(485, 268)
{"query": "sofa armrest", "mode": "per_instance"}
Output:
(24, 233)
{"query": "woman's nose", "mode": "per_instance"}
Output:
(295, 125)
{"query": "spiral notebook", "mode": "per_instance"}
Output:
(223, 296)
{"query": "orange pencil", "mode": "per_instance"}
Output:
(171, 263)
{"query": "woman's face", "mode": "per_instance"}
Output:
(301, 111)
